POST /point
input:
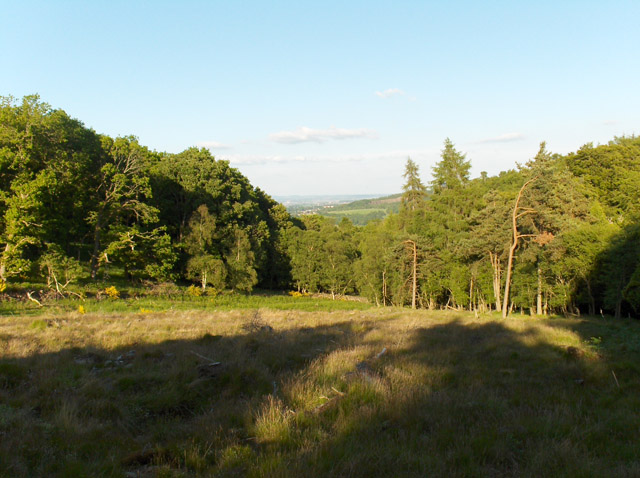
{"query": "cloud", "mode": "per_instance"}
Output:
(389, 93)
(213, 145)
(309, 135)
(238, 160)
(503, 138)
(610, 123)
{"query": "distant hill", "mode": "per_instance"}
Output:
(364, 210)
(303, 205)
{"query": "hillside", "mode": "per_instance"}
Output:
(365, 210)
(360, 393)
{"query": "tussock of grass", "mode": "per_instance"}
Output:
(275, 392)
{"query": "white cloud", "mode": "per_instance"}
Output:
(610, 123)
(389, 93)
(248, 160)
(309, 135)
(503, 138)
(213, 145)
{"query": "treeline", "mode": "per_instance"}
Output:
(74, 203)
(561, 234)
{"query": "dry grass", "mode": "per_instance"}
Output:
(306, 394)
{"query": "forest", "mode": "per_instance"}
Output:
(559, 234)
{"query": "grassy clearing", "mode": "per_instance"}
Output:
(308, 393)
(140, 301)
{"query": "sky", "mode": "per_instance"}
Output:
(333, 97)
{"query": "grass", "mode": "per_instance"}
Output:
(140, 301)
(309, 393)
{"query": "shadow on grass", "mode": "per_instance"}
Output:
(453, 399)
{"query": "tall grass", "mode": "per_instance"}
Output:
(277, 392)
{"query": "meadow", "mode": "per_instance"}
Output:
(304, 386)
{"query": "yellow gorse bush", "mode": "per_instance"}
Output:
(112, 292)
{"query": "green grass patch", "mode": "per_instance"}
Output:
(130, 302)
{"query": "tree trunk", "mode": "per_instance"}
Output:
(414, 291)
(495, 266)
(507, 284)
(96, 246)
(539, 293)
(514, 245)
(384, 288)
(3, 264)
(203, 280)
(592, 302)
(415, 277)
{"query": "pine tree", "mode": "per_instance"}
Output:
(414, 192)
(452, 172)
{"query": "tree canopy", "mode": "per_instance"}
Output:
(558, 234)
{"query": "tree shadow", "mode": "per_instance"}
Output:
(481, 400)
(615, 274)
(87, 411)
(457, 398)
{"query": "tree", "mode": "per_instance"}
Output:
(122, 190)
(452, 172)
(517, 213)
(240, 261)
(143, 253)
(414, 192)
(59, 269)
(414, 270)
(204, 263)
(375, 265)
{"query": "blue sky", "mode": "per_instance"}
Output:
(332, 97)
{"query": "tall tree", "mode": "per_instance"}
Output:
(204, 264)
(452, 172)
(121, 195)
(518, 212)
(414, 192)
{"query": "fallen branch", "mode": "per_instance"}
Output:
(342, 394)
(615, 378)
(34, 300)
(213, 362)
(76, 294)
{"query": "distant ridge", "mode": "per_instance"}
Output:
(358, 209)
(322, 199)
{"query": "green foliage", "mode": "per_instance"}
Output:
(116, 204)
(414, 192)
(452, 172)
(59, 269)
(73, 201)
(322, 256)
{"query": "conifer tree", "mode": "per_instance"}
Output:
(452, 172)
(414, 191)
